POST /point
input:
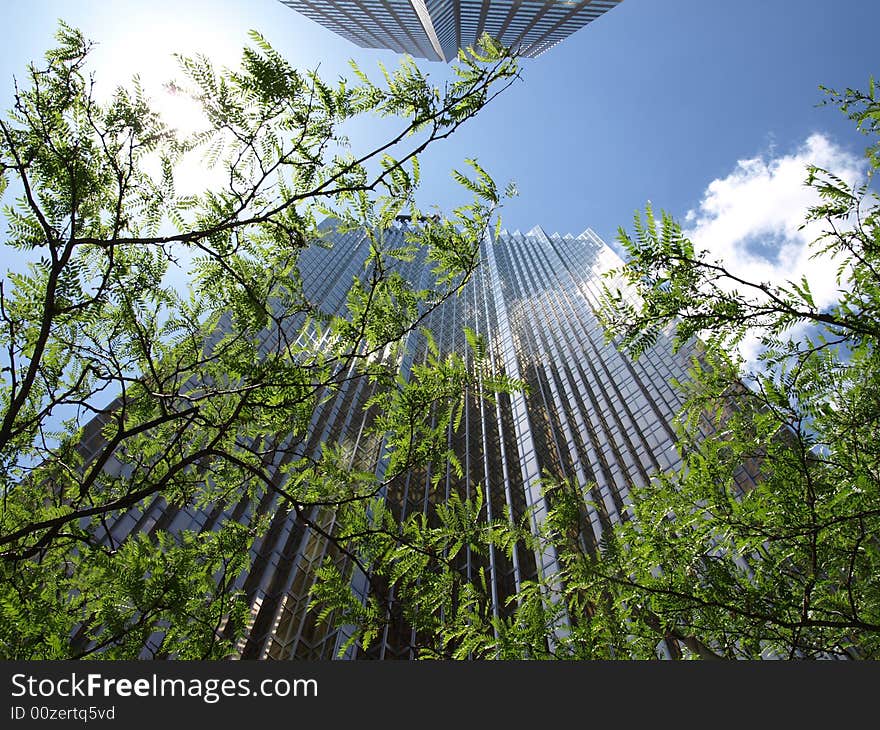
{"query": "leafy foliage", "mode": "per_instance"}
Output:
(119, 389)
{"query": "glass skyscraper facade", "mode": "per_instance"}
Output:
(436, 29)
(391, 24)
(589, 414)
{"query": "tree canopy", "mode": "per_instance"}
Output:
(121, 385)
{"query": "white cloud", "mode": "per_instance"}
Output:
(750, 219)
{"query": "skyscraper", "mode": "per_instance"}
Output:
(589, 414)
(436, 29)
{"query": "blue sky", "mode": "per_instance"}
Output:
(656, 100)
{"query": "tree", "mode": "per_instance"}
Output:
(765, 543)
(119, 388)
(787, 568)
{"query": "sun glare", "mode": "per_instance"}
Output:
(151, 55)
